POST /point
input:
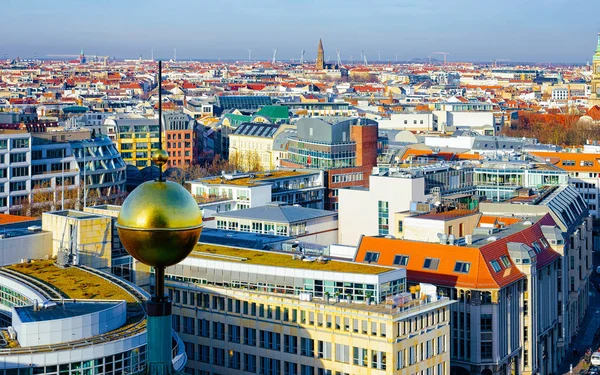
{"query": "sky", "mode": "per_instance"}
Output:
(544, 31)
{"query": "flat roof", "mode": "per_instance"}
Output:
(278, 259)
(61, 311)
(259, 178)
(73, 282)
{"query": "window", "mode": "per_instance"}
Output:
(400, 260)
(505, 261)
(307, 347)
(400, 226)
(290, 344)
(486, 322)
(234, 360)
(233, 333)
(18, 157)
(383, 217)
(462, 267)
(307, 370)
(249, 336)
(204, 353)
(431, 264)
(486, 350)
(496, 266)
(290, 368)
(270, 340)
(218, 331)
(537, 247)
(218, 357)
(371, 257)
(249, 363)
(342, 353)
(324, 349)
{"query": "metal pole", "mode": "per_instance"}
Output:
(160, 145)
(62, 174)
(84, 178)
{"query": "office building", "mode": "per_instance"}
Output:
(246, 311)
(345, 148)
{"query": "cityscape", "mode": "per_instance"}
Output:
(304, 196)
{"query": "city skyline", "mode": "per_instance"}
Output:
(471, 31)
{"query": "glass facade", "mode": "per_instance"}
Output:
(383, 217)
(322, 155)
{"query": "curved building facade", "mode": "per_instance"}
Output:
(50, 335)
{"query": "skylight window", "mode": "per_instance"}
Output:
(371, 257)
(537, 247)
(431, 264)
(400, 260)
(496, 266)
(462, 267)
(505, 261)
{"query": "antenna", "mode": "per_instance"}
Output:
(160, 170)
(274, 55)
(249, 55)
(302, 57)
(339, 59)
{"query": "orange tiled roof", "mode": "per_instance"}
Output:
(481, 274)
(9, 219)
(582, 162)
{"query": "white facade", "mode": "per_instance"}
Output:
(363, 212)
(408, 121)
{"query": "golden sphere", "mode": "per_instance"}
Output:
(159, 223)
(160, 157)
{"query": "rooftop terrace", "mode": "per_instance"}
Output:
(255, 179)
(73, 282)
(277, 259)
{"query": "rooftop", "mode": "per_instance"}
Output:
(73, 282)
(276, 212)
(275, 259)
(254, 179)
(61, 311)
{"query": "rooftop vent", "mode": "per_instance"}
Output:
(492, 239)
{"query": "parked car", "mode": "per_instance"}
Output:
(595, 361)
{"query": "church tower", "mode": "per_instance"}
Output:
(595, 96)
(320, 56)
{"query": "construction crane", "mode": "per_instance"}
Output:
(249, 55)
(339, 59)
(378, 56)
(174, 54)
(274, 55)
(396, 56)
(302, 57)
(442, 53)
(496, 61)
(363, 57)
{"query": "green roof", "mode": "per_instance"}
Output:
(75, 109)
(237, 119)
(274, 112)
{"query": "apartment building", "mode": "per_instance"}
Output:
(501, 280)
(235, 191)
(246, 311)
(252, 145)
(574, 233)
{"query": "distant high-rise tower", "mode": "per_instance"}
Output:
(320, 56)
(595, 96)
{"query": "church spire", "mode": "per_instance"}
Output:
(320, 64)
